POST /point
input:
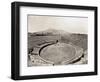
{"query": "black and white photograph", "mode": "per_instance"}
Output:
(53, 40)
(57, 40)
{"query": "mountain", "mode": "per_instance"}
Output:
(50, 32)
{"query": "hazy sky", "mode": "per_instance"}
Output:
(69, 24)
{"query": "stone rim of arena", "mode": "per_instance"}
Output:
(77, 55)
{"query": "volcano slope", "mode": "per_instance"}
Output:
(68, 49)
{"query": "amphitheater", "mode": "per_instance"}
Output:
(55, 53)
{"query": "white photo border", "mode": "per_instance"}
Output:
(42, 70)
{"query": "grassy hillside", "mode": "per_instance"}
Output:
(37, 38)
(76, 39)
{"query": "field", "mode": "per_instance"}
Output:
(59, 53)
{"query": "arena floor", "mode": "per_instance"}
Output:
(59, 52)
